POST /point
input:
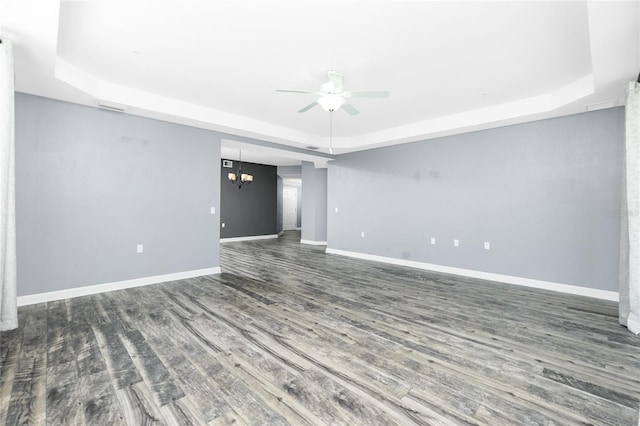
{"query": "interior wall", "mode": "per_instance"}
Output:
(253, 209)
(93, 184)
(290, 171)
(280, 202)
(299, 211)
(545, 195)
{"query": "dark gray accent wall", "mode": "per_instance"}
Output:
(251, 210)
(545, 194)
(93, 184)
(314, 203)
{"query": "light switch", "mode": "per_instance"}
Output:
(223, 224)
(433, 240)
(456, 243)
(487, 245)
(362, 234)
(213, 210)
(336, 210)
(139, 248)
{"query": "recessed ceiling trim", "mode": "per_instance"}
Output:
(180, 109)
(176, 109)
(493, 114)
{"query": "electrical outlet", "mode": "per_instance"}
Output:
(433, 240)
(487, 245)
(213, 210)
(456, 243)
(139, 248)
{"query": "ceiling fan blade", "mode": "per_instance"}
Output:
(297, 91)
(366, 94)
(349, 109)
(308, 107)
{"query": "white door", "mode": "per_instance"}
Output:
(289, 207)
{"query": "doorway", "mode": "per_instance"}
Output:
(289, 208)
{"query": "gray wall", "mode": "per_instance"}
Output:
(280, 205)
(290, 171)
(314, 203)
(545, 194)
(92, 184)
(253, 209)
(299, 211)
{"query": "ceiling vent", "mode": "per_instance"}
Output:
(110, 107)
(601, 105)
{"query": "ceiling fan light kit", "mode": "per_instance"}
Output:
(333, 97)
(331, 102)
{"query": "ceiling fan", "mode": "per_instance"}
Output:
(333, 96)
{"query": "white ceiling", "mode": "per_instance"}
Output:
(450, 66)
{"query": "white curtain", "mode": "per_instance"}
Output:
(630, 226)
(8, 300)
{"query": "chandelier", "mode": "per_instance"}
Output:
(238, 178)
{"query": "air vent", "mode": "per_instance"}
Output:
(111, 107)
(227, 163)
(312, 147)
(601, 105)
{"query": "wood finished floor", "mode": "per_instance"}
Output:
(290, 335)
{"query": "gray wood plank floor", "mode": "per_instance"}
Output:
(290, 335)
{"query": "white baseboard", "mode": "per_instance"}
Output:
(313, 243)
(249, 238)
(509, 279)
(69, 293)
